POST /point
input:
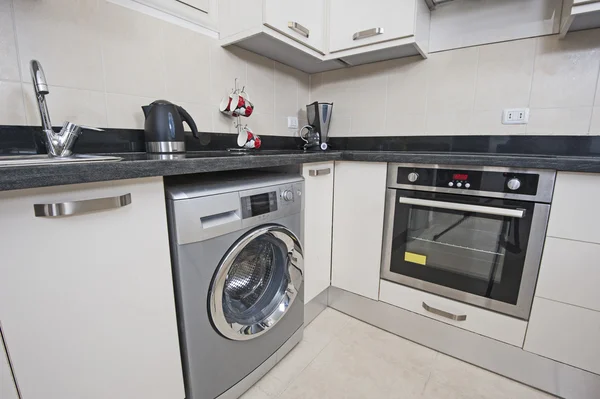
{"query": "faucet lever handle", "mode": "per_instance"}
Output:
(96, 129)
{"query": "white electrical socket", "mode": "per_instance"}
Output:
(292, 122)
(515, 116)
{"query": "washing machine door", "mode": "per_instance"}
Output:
(256, 282)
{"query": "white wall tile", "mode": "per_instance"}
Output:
(407, 86)
(261, 124)
(124, 111)
(452, 76)
(200, 113)
(9, 63)
(64, 35)
(560, 121)
(400, 124)
(504, 75)
(566, 71)
(83, 107)
(595, 123)
(226, 64)
(261, 82)
(12, 111)
(490, 122)
(132, 50)
(341, 121)
(286, 91)
(448, 123)
(187, 64)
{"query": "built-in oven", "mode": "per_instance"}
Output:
(473, 234)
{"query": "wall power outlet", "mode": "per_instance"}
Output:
(515, 116)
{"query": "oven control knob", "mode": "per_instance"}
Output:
(514, 184)
(450, 184)
(412, 177)
(467, 185)
(459, 184)
(287, 195)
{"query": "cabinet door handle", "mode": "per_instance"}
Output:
(363, 34)
(296, 27)
(319, 172)
(80, 207)
(443, 313)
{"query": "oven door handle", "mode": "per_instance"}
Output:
(456, 206)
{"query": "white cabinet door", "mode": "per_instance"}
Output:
(574, 214)
(303, 21)
(393, 18)
(358, 207)
(566, 333)
(7, 384)
(86, 301)
(570, 273)
(318, 215)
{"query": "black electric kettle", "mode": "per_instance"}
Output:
(163, 128)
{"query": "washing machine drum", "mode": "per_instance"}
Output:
(256, 283)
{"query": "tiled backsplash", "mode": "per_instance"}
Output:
(104, 61)
(464, 91)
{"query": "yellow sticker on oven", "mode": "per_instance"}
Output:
(415, 258)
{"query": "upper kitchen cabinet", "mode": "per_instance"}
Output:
(288, 31)
(202, 13)
(369, 31)
(579, 15)
(303, 21)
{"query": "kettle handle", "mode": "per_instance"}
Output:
(189, 120)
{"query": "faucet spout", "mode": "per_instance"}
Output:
(40, 87)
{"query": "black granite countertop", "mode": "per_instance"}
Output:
(137, 165)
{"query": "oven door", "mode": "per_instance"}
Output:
(483, 251)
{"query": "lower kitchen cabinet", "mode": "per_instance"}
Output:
(86, 301)
(481, 321)
(318, 214)
(566, 333)
(359, 201)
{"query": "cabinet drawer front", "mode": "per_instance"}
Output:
(565, 333)
(87, 301)
(574, 213)
(302, 21)
(318, 215)
(570, 273)
(360, 23)
(481, 321)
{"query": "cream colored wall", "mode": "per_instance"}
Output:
(103, 62)
(464, 91)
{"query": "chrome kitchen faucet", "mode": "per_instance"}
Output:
(58, 144)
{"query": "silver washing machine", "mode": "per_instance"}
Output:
(238, 274)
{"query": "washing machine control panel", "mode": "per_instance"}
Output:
(271, 202)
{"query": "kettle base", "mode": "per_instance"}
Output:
(162, 147)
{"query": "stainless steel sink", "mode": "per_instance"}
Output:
(37, 160)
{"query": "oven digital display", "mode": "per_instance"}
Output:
(460, 176)
(260, 204)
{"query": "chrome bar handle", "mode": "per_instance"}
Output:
(456, 206)
(80, 207)
(363, 34)
(296, 27)
(319, 172)
(443, 313)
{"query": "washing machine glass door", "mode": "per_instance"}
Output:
(256, 282)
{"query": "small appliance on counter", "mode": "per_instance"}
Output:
(163, 128)
(319, 118)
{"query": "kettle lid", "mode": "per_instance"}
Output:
(161, 102)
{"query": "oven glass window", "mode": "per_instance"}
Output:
(473, 252)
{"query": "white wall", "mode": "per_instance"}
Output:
(463, 91)
(104, 61)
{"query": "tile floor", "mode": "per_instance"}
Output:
(342, 357)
